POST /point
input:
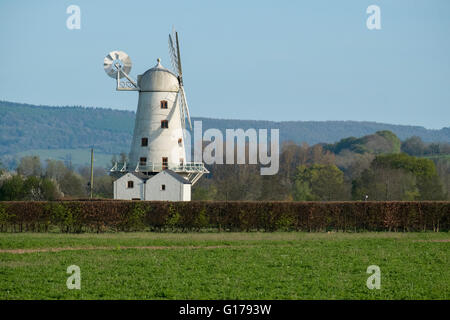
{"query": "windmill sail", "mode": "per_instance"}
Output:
(174, 51)
(185, 107)
(117, 63)
(173, 56)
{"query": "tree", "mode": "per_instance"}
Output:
(103, 183)
(414, 146)
(434, 148)
(378, 143)
(385, 184)
(353, 164)
(30, 166)
(49, 190)
(393, 141)
(302, 191)
(275, 188)
(203, 193)
(443, 170)
(32, 189)
(424, 169)
(12, 189)
(319, 182)
(85, 172)
(415, 176)
(103, 186)
(72, 185)
(55, 170)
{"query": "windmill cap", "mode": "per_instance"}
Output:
(158, 78)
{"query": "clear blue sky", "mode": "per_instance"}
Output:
(265, 60)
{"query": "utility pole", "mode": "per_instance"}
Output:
(92, 171)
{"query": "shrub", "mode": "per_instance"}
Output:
(113, 215)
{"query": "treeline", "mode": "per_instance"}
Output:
(51, 181)
(374, 167)
(414, 146)
(101, 216)
(110, 131)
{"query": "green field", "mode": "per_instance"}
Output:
(225, 265)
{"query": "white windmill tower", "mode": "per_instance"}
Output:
(158, 140)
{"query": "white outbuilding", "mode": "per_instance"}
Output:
(164, 186)
(130, 186)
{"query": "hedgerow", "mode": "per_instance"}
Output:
(114, 215)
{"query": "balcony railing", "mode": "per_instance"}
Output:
(189, 167)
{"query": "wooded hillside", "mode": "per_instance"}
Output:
(28, 127)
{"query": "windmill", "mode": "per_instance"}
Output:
(159, 132)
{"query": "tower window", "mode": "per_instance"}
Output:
(163, 187)
(130, 184)
(165, 163)
(164, 104)
(144, 142)
(143, 161)
(181, 162)
(164, 124)
(180, 141)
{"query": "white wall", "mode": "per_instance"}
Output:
(175, 190)
(187, 192)
(121, 190)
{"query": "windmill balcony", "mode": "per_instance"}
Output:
(187, 167)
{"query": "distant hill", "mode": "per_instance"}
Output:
(25, 127)
(313, 132)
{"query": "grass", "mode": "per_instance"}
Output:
(439, 156)
(226, 265)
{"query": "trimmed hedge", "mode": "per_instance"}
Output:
(114, 215)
